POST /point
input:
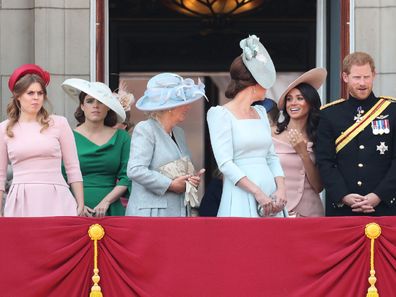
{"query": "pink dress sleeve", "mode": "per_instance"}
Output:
(69, 152)
(3, 156)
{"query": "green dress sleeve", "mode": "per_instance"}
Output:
(122, 177)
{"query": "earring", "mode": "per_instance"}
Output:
(281, 117)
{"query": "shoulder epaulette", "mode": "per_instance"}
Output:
(332, 103)
(393, 99)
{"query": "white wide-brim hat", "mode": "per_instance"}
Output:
(314, 77)
(169, 90)
(257, 60)
(97, 90)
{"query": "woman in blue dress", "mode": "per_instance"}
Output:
(241, 139)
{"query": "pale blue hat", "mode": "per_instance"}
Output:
(258, 61)
(169, 90)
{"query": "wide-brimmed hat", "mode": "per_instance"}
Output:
(169, 90)
(258, 61)
(27, 69)
(98, 90)
(314, 77)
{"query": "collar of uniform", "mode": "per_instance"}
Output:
(369, 101)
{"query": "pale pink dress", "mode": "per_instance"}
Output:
(302, 199)
(38, 187)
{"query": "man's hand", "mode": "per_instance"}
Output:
(358, 203)
(352, 199)
(367, 205)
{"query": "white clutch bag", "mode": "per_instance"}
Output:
(182, 166)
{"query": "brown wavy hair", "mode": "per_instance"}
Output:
(14, 106)
(359, 59)
(109, 121)
(241, 78)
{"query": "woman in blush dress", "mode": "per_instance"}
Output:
(35, 143)
(241, 139)
(294, 140)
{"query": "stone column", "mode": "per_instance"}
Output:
(374, 33)
(51, 33)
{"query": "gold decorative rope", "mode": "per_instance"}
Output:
(372, 231)
(96, 232)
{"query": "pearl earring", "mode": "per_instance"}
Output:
(281, 117)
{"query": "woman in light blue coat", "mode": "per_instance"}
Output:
(241, 139)
(157, 142)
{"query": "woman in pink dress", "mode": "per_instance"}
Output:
(294, 140)
(35, 143)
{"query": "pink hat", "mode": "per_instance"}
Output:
(314, 77)
(26, 69)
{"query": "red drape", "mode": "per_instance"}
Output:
(44, 257)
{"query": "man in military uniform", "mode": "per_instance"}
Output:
(356, 146)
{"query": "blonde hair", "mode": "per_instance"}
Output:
(357, 58)
(14, 106)
(155, 115)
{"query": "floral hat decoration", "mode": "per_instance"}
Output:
(258, 61)
(169, 90)
(126, 98)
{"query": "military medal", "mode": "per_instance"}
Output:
(386, 126)
(382, 148)
(359, 114)
(380, 125)
(375, 127)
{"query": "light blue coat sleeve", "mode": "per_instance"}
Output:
(220, 131)
(274, 163)
(140, 158)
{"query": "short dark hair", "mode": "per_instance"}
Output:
(241, 78)
(110, 119)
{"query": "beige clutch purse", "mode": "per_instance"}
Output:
(182, 166)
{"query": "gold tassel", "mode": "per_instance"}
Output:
(372, 231)
(96, 232)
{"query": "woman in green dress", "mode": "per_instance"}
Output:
(102, 150)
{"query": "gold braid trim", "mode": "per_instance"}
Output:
(332, 103)
(358, 127)
(96, 232)
(393, 99)
(372, 231)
